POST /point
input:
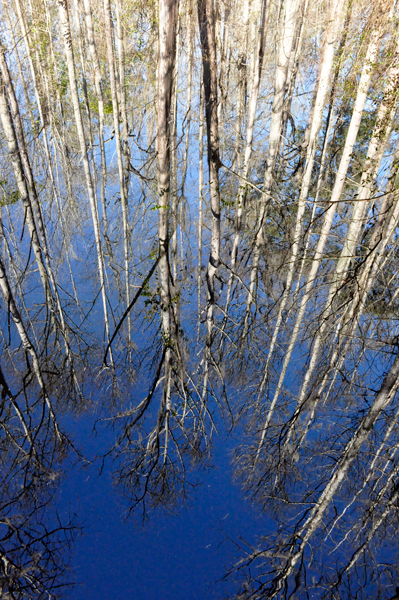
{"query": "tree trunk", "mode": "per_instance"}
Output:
(285, 49)
(66, 33)
(100, 101)
(168, 13)
(206, 21)
(122, 187)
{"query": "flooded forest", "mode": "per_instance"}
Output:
(199, 253)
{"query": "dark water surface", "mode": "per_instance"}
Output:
(177, 555)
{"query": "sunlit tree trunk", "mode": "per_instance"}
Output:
(187, 123)
(173, 146)
(241, 85)
(350, 453)
(44, 118)
(323, 79)
(120, 39)
(206, 21)
(336, 193)
(188, 116)
(293, 70)
(200, 196)
(73, 88)
(12, 30)
(100, 102)
(253, 99)
(32, 196)
(376, 148)
(122, 187)
(345, 328)
(15, 156)
(285, 49)
(27, 344)
(224, 48)
(168, 13)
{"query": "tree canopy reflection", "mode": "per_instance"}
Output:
(199, 238)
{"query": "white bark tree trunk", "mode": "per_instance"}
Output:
(285, 49)
(206, 21)
(383, 398)
(168, 13)
(73, 88)
(100, 101)
(122, 188)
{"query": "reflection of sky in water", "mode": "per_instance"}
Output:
(172, 556)
(180, 556)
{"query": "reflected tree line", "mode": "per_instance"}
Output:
(199, 211)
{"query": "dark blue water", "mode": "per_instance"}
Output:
(177, 555)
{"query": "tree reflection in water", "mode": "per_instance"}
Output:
(34, 540)
(267, 312)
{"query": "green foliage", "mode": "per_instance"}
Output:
(9, 196)
(62, 78)
(108, 107)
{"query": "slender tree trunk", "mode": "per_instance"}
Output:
(285, 50)
(190, 46)
(32, 195)
(66, 33)
(27, 344)
(348, 322)
(293, 69)
(241, 87)
(200, 195)
(374, 155)
(168, 13)
(173, 144)
(100, 102)
(313, 521)
(223, 57)
(120, 39)
(206, 21)
(336, 193)
(187, 120)
(12, 28)
(9, 131)
(122, 188)
(253, 99)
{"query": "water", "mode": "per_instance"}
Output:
(186, 456)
